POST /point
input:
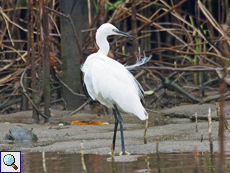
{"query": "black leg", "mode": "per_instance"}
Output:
(115, 129)
(120, 119)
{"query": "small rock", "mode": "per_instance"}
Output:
(20, 134)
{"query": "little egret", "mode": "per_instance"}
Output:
(111, 83)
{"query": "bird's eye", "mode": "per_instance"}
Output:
(114, 30)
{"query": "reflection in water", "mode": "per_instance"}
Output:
(44, 161)
(114, 168)
(212, 157)
(158, 156)
(160, 162)
(195, 158)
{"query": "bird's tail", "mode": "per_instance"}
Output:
(139, 110)
(144, 115)
(140, 61)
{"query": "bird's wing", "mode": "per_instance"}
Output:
(110, 82)
(98, 67)
(86, 69)
(127, 77)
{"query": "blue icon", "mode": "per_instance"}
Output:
(9, 160)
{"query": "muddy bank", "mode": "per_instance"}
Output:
(174, 134)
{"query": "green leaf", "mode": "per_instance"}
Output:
(150, 92)
(23, 3)
(115, 4)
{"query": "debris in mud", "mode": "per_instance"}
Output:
(99, 123)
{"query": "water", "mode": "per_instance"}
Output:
(163, 162)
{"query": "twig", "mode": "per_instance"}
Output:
(215, 97)
(189, 69)
(4, 108)
(201, 30)
(78, 109)
(134, 25)
(196, 122)
(201, 137)
(82, 95)
(16, 89)
(221, 121)
(24, 92)
(71, 10)
(7, 24)
(89, 12)
(157, 145)
(168, 82)
(146, 127)
(209, 125)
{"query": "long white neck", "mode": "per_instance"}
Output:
(103, 44)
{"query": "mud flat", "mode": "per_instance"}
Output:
(173, 133)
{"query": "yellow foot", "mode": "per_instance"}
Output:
(124, 153)
(110, 153)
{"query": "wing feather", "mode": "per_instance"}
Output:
(110, 82)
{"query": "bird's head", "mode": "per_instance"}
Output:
(107, 29)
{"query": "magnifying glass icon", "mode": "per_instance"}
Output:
(9, 160)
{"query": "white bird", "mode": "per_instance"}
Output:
(110, 82)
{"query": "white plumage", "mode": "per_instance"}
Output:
(110, 82)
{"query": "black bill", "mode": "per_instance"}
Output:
(125, 34)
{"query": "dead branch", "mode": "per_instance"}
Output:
(28, 97)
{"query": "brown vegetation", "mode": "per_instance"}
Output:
(186, 45)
